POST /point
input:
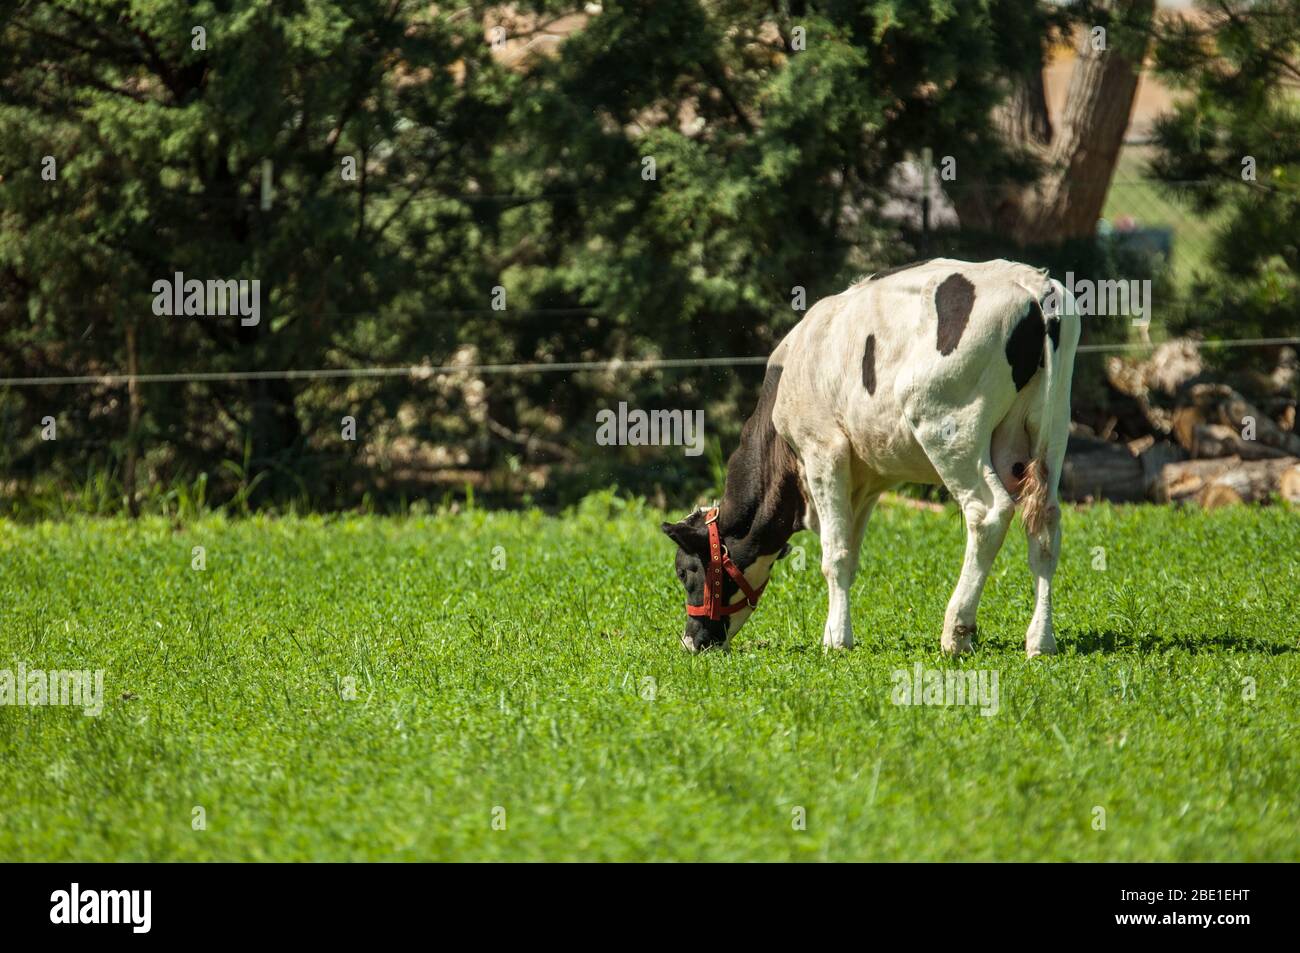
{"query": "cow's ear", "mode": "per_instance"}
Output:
(693, 539)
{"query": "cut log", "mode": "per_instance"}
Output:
(1153, 458)
(1103, 470)
(1168, 393)
(1172, 366)
(1214, 420)
(1289, 485)
(1223, 481)
(1129, 385)
(1219, 440)
(1100, 470)
(1218, 495)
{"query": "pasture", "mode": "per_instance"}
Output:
(376, 688)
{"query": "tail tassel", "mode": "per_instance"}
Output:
(1033, 496)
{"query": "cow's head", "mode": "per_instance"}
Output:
(692, 561)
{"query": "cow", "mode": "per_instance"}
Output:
(943, 371)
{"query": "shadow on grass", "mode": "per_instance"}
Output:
(1111, 642)
(1108, 642)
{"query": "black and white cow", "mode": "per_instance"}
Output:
(944, 371)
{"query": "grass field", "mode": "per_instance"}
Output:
(525, 688)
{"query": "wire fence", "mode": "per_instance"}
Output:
(1139, 215)
(425, 371)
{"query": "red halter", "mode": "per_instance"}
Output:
(720, 559)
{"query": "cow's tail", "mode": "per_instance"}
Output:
(1034, 495)
(1047, 439)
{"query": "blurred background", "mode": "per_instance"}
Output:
(439, 200)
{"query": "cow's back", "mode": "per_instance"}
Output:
(934, 334)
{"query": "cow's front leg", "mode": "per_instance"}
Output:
(827, 474)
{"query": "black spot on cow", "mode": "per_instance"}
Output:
(899, 268)
(1053, 328)
(1025, 346)
(953, 302)
(869, 364)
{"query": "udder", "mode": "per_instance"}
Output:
(1011, 453)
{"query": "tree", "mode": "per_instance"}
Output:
(1063, 200)
(1231, 148)
(162, 120)
(708, 168)
(676, 178)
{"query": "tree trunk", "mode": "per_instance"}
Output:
(133, 422)
(1079, 159)
(1086, 147)
(276, 434)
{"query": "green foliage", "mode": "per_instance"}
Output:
(773, 130)
(525, 687)
(160, 150)
(1238, 64)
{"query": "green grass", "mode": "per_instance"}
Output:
(525, 688)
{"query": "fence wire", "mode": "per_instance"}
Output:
(423, 371)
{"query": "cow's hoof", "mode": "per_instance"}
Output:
(1045, 646)
(960, 640)
(834, 639)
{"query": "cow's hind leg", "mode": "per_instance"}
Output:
(988, 508)
(827, 474)
(1044, 554)
(1044, 535)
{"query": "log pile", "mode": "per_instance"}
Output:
(1204, 442)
